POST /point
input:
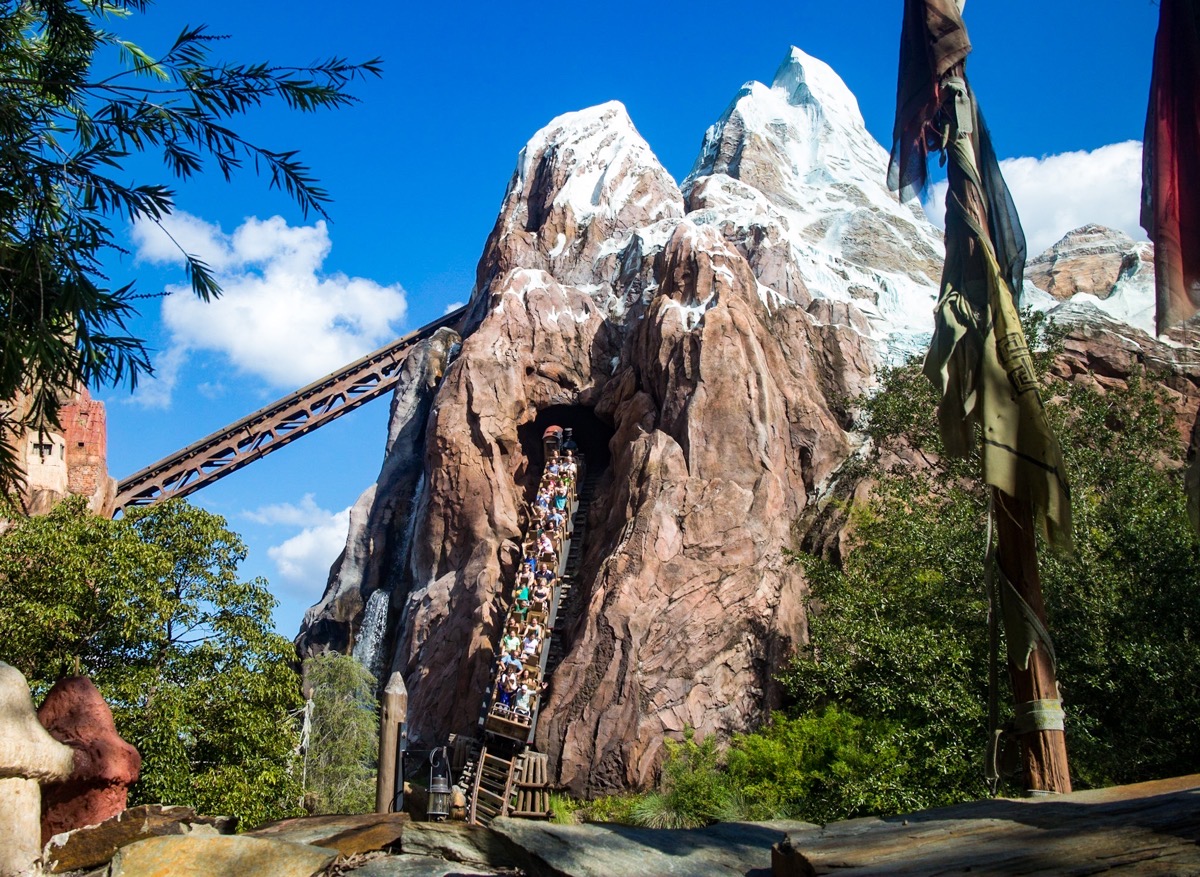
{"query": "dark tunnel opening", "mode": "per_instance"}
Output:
(591, 435)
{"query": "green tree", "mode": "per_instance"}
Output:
(151, 607)
(898, 629)
(343, 748)
(77, 101)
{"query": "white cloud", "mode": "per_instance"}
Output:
(155, 391)
(279, 318)
(453, 306)
(165, 243)
(307, 513)
(303, 560)
(1057, 193)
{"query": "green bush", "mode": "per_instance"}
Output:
(340, 763)
(818, 767)
(565, 810)
(152, 608)
(611, 808)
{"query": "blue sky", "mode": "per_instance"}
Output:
(418, 169)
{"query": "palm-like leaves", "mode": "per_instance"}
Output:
(65, 133)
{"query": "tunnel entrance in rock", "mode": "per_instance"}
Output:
(590, 433)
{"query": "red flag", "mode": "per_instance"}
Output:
(933, 40)
(1171, 162)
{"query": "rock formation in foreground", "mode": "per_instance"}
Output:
(702, 342)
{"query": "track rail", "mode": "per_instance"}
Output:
(276, 425)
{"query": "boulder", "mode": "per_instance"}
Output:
(457, 842)
(731, 849)
(95, 845)
(1089, 259)
(420, 866)
(75, 714)
(28, 756)
(350, 835)
(222, 856)
(1148, 829)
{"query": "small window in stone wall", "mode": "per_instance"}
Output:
(43, 449)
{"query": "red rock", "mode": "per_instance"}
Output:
(350, 835)
(75, 714)
(1089, 259)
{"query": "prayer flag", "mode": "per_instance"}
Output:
(978, 357)
(1171, 162)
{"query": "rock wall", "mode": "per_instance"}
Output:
(72, 461)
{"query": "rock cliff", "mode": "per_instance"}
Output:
(701, 340)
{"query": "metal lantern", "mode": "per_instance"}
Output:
(439, 785)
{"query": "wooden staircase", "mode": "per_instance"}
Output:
(503, 787)
(491, 793)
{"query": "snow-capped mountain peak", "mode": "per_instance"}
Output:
(802, 145)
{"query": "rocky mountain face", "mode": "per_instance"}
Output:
(701, 340)
(1083, 262)
(1100, 267)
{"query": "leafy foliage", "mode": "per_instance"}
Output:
(565, 810)
(819, 767)
(151, 607)
(898, 635)
(694, 791)
(610, 808)
(340, 763)
(68, 127)
(900, 638)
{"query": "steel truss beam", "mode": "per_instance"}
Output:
(274, 426)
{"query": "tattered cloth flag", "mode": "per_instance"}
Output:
(978, 357)
(1171, 162)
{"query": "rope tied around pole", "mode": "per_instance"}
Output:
(1038, 715)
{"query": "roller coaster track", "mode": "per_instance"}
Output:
(278, 424)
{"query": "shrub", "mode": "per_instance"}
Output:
(340, 763)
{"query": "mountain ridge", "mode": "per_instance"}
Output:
(708, 334)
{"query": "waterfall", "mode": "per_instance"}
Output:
(367, 649)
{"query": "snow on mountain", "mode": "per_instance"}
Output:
(792, 178)
(1094, 267)
(801, 146)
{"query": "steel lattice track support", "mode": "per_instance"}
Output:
(274, 426)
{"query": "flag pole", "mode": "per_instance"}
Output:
(1044, 765)
(980, 362)
(1032, 675)
(1038, 724)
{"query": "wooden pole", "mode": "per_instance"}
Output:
(1044, 763)
(393, 714)
(1043, 752)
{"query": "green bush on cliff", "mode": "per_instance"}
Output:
(151, 607)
